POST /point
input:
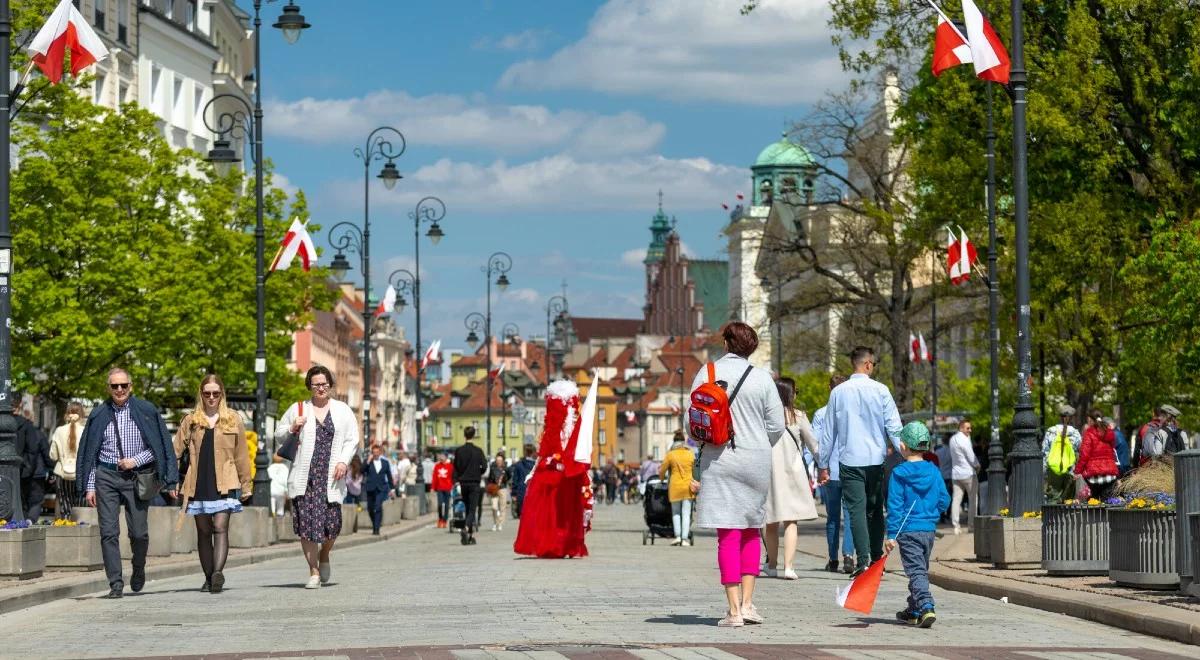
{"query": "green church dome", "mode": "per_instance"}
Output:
(784, 153)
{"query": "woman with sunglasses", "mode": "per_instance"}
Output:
(218, 476)
(328, 433)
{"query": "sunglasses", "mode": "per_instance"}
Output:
(118, 386)
(211, 395)
(320, 386)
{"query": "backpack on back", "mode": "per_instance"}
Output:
(1061, 458)
(709, 418)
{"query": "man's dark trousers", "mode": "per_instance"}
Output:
(862, 494)
(113, 489)
(471, 495)
(375, 500)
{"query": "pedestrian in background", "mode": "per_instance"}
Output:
(328, 434)
(964, 472)
(377, 484)
(354, 482)
(647, 471)
(496, 486)
(64, 451)
(611, 478)
(1060, 447)
(735, 476)
(519, 475)
(125, 441)
(1097, 462)
(916, 498)
(35, 464)
(946, 468)
(218, 476)
(443, 485)
(469, 467)
(1122, 446)
(789, 498)
(400, 469)
(677, 468)
(837, 516)
(861, 420)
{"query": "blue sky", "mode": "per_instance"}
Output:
(546, 127)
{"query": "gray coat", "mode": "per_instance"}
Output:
(735, 481)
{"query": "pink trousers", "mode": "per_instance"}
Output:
(738, 552)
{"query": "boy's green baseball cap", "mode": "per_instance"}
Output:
(915, 436)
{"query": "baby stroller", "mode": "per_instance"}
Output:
(656, 509)
(458, 510)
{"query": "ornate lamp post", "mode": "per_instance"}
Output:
(236, 124)
(555, 307)
(10, 458)
(498, 265)
(346, 236)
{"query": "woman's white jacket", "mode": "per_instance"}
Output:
(345, 444)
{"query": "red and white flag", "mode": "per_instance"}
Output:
(388, 304)
(914, 349)
(950, 47)
(987, 51)
(630, 417)
(432, 354)
(675, 409)
(860, 594)
(924, 350)
(295, 242)
(495, 372)
(66, 31)
(960, 257)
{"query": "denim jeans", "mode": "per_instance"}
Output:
(837, 521)
(681, 518)
(915, 548)
(443, 497)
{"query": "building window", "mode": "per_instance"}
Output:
(515, 431)
(601, 412)
(99, 22)
(190, 17)
(456, 401)
(500, 428)
(429, 431)
(155, 79)
(123, 93)
(123, 21)
(98, 95)
(177, 99)
(603, 439)
(446, 430)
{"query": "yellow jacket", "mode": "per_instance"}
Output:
(679, 462)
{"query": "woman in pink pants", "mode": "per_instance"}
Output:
(737, 475)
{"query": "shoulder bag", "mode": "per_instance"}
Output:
(287, 451)
(146, 484)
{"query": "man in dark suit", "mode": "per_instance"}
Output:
(377, 484)
(519, 472)
(124, 437)
(469, 466)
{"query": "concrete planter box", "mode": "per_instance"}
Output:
(362, 520)
(1194, 527)
(183, 539)
(1142, 548)
(22, 553)
(75, 548)
(160, 520)
(393, 510)
(249, 529)
(1074, 539)
(983, 547)
(284, 530)
(349, 518)
(410, 508)
(1187, 501)
(1015, 542)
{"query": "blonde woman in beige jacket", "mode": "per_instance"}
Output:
(64, 447)
(790, 498)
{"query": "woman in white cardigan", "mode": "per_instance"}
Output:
(790, 497)
(328, 432)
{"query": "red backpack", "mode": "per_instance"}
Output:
(709, 419)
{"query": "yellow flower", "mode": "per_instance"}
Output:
(1032, 514)
(1004, 512)
(1093, 501)
(1070, 502)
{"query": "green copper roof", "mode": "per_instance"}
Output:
(712, 289)
(784, 153)
(660, 228)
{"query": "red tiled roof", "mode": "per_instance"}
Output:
(588, 328)
(600, 359)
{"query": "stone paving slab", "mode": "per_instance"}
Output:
(425, 591)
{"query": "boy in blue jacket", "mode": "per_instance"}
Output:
(916, 497)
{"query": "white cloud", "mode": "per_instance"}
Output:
(525, 40)
(780, 54)
(525, 296)
(561, 182)
(634, 258)
(280, 181)
(451, 120)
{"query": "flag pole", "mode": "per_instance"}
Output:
(995, 452)
(933, 375)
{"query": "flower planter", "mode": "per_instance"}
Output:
(1015, 542)
(1194, 526)
(73, 548)
(1142, 548)
(284, 531)
(183, 536)
(393, 510)
(349, 518)
(983, 548)
(1187, 501)
(22, 553)
(362, 520)
(248, 529)
(1074, 539)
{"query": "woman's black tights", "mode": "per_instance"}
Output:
(212, 541)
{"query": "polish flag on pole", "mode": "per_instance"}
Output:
(495, 373)
(950, 47)
(295, 241)
(432, 354)
(66, 31)
(925, 356)
(987, 51)
(914, 349)
(860, 594)
(388, 304)
(960, 257)
(587, 425)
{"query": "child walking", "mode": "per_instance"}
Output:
(916, 486)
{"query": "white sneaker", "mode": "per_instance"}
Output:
(314, 582)
(957, 531)
(495, 528)
(324, 570)
(789, 574)
(686, 543)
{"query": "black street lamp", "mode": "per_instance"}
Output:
(382, 143)
(511, 333)
(223, 156)
(10, 458)
(1026, 491)
(497, 266)
(995, 470)
(556, 307)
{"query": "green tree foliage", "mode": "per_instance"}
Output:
(129, 252)
(1114, 153)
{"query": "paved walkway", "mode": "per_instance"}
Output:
(424, 595)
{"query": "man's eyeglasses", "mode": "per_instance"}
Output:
(320, 386)
(118, 386)
(211, 395)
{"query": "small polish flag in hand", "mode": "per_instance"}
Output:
(860, 594)
(66, 31)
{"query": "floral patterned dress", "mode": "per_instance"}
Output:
(315, 518)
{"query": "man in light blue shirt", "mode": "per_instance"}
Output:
(860, 419)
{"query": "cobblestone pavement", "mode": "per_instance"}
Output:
(424, 595)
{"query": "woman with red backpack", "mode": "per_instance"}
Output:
(736, 433)
(1097, 462)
